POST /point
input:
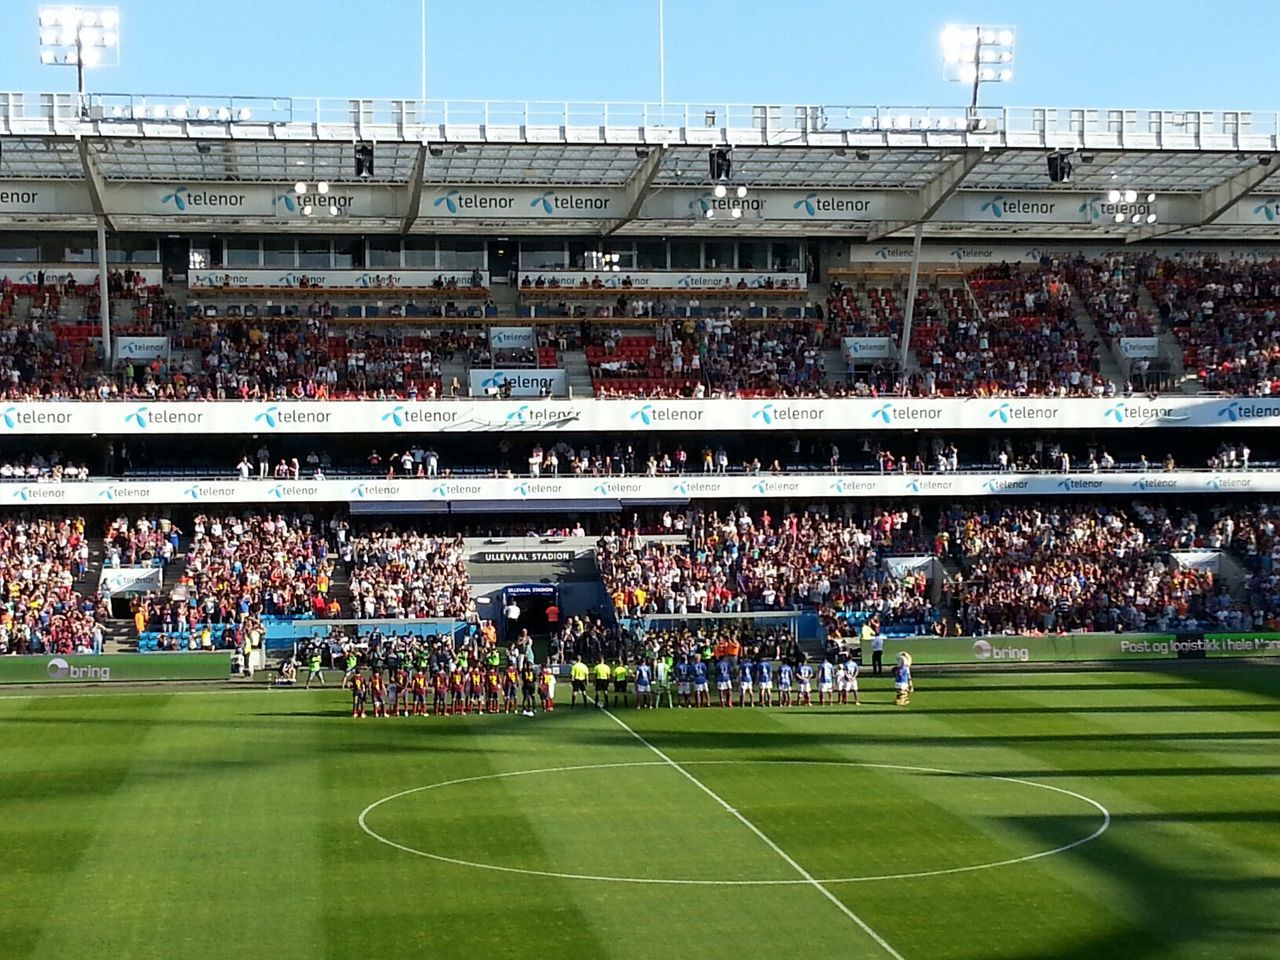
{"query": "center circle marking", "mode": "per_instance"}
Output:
(1102, 827)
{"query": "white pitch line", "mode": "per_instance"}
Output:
(804, 874)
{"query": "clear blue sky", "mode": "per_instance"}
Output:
(1132, 53)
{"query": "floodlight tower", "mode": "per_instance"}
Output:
(80, 37)
(977, 55)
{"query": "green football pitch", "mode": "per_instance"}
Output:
(1032, 815)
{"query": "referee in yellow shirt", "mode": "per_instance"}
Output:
(578, 676)
(602, 673)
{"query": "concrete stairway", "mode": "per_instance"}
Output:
(506, 297)
(1231, 573)
(457, 367)
(577, 373)
(1170, 349)
(1110, 362)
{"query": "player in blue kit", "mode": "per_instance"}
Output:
(850, 667)
(644, 685)
(724, 681)
(764, 681)
(745, 680)
(684, 682)
(805, 674)
(702, 695)
(784, 684)
(826, 680)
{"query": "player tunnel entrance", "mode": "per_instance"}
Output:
(538, 606)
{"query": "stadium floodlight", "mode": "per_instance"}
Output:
(305, 191)
(977, 55)
(720, 191)
(80, 37)
(1128, 205)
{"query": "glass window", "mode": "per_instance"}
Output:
(582, 254)
(419, 252)
(243, 252)
(626, 252)
(462, 255)
(543, 255)
(19, 248)
(686, 255)
(651, 255)
(348, 253)
(385, 252)
(132, 250)
(718, 255)
(753, 255)
(315, 254)
(279, 252)
(786, 256)
(79, 248)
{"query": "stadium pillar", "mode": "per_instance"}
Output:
(911, 298)
(102, 292)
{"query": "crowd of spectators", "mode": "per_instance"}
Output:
(407, 574)
(1054, 567)
(42, 468)
(143, 542)
(241, 568)
(41, 559)
(736, 563)
(1225, 313)
(1026, 343)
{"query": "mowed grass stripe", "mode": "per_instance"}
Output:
(815, 834)
(186, 858)
(63, 765)
(1141, 867)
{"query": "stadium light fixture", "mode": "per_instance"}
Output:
(1128, 205)
(304, 192)
(976, 55)
(80, 37)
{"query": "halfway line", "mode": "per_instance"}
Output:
(805, 874)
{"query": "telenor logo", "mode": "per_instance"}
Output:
(395, 415)
(765, 413)
(139, 417)
(1001, 411)
(1116, 412)
(807, 203)
(995, 206)
(644, 414)
(546, 201)
(1270, 210)
(267, 416)
(885, 413)
(178, 198)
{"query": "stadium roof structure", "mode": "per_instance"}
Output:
(851, 171)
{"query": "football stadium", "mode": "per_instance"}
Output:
(633, 528)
